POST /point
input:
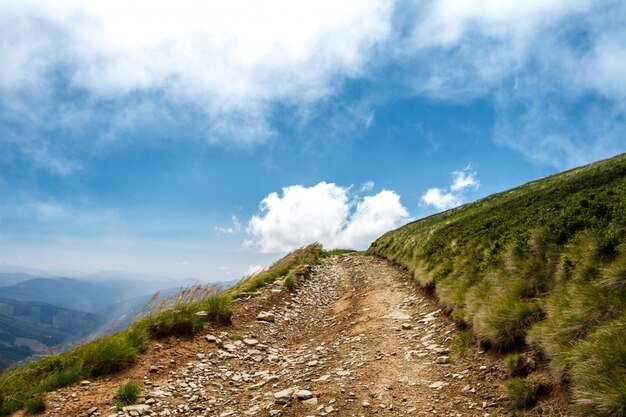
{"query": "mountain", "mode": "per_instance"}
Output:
(30, 327)
(63, 292)
(38, 314)
(11, 278)
(540, 267)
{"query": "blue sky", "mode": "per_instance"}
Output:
(180, 139)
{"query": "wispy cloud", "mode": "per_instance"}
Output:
(447, 198)
(232, 64)
(325, 213)
(235, 227)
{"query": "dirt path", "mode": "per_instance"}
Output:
(357, 338)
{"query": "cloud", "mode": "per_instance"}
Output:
(325, 213)
(253, 269)
(538, 61)
(445, 199)
(232, 60)
(233, 64)
(235, 228)
(440, 199)
(367, 186)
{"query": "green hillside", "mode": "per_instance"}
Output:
(542, 265)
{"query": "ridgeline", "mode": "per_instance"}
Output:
(533, 281)
(539, 268)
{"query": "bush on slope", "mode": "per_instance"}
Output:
(545, 264)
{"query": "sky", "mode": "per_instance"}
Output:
(207, 139)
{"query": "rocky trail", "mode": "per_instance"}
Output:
(356, 338)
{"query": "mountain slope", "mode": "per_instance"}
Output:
(543, 264)
(27, 328)
(63, 292)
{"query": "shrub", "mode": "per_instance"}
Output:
(219, 308)
(237, 336)
(614, 275)
(599, 370)
(290, 281)
(518, 365)
(461, 343)
(127, 393)
(35, 405)
(180, 322)
(63, 377)
(108, 355)
(520, 393)
(499, 316)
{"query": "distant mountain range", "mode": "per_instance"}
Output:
(47, 312)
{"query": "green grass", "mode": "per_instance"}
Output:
(338, 252)
(462, 343)
(599, 370)
(291, 281)
(35, 405)
(237, 336)
(109, 355)
(127, 393)
(542, 264)
(520, 392)
(116, 352)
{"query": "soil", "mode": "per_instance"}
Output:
(358, 334)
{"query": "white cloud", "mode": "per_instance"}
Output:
(233, 62)
(440, 199)
(373, 216)
(254, 269)
(367, 186)
(464, 179)
(556, 55)
(236, 226)
(323, 213)
(443, 199)
(230, 59)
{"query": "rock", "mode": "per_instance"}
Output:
(250, 342)
(230, 347)
(303, 394)
(266, 316)
(437, 385)
(92, 410)
(210, 338)
(365, 404)
(310, 401)
(398, 315)
(442, 359)
(406, 326)
(284, 396)
(141, 409)
(85, 383)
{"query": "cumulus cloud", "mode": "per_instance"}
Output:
(444, 199)
(325, 213)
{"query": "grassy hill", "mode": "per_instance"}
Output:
(121, 350)
(540, 266)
